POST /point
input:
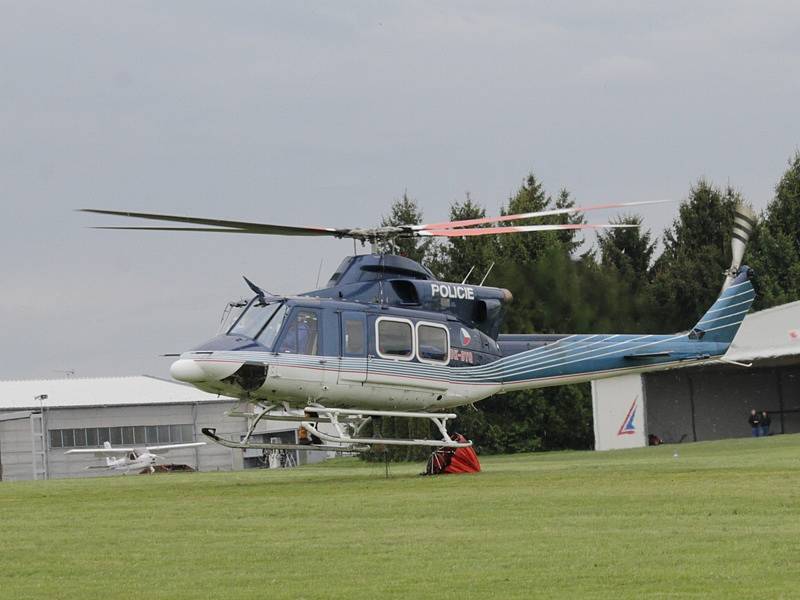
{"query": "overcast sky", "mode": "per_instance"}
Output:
(322, 114)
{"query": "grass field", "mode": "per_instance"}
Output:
(722, 519)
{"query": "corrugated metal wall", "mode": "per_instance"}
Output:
(713, 403)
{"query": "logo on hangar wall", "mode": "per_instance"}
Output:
(628, 426)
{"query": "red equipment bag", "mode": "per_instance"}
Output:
(453, 460)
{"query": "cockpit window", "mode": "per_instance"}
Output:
(302, 333)
(267, 337)
(254, 318)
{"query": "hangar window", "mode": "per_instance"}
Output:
(102, 436)
(80, 438)
(67, 438)
(116, 435)
(127, 436)
(433, 343)
(395, 338)
(139, 435)
(55, 438)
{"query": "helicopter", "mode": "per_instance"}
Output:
(386, 338)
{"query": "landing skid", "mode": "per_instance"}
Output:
(344, 435)
(211, 433)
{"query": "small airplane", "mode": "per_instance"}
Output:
(130, 459)
(386, 338)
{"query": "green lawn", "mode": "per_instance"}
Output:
(721, 519)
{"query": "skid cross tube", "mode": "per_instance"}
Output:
(438, 419)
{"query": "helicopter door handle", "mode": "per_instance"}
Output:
(322, 361)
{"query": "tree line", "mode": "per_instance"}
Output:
(621, 284)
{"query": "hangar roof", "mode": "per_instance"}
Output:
(98, 391)
(768, 334)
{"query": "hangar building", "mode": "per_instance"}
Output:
(760, 371)
(128, 411)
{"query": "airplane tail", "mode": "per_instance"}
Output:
(722, 321)
(109, 460)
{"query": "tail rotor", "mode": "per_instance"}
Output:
(744, 220)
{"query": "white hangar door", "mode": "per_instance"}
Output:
(619, 412)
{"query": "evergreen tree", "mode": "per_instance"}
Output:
(774, 251)
(629, 251)
(688, 275)
(457, 256)
(405, 211)
(526, 247)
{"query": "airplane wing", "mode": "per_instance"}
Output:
(101, 451)
(168, 447)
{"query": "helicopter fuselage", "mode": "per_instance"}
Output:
(381, 343)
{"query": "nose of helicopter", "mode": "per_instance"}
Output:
(187, 370)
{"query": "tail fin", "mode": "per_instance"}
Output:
(722, 320)
(109, 460)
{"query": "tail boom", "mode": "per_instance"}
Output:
(580, 358)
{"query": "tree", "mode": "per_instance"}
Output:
(629, 251)
(405, 211)
(688, 275)
(457, 256)
(546, 281)
(527, 247)
(775, 248)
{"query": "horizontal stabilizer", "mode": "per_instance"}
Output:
(639, 355)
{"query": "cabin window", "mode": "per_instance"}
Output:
(302, 333)
(354, 338)
(433, 343)
(395, 339)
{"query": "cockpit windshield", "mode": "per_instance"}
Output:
(257, 317)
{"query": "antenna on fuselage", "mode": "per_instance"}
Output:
(467, 275)
(319, 271)
(489, 270)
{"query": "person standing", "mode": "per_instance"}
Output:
(766, 421)
(755, 422)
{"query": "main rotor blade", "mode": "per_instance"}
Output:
(531, 215)
(200, 229)
(517, 229)
(218, 225)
